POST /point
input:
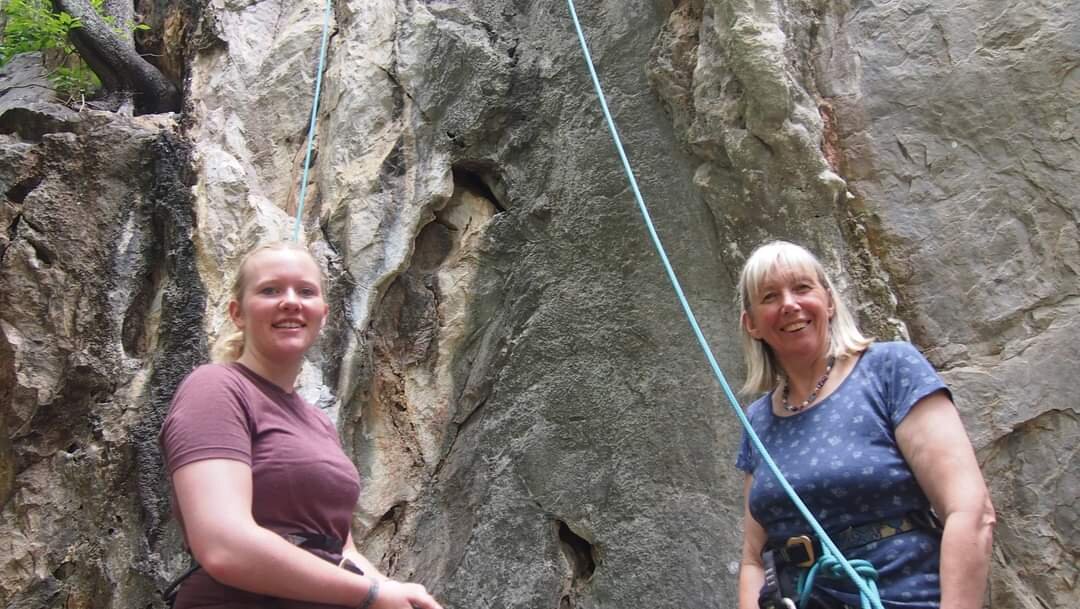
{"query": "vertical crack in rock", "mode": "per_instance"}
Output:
(138, 324)
(417, 332)
(181, 344)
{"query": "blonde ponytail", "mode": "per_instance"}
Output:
(229, 348)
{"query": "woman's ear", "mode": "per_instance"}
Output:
(234, 314)
(325, 316)
(748, 325)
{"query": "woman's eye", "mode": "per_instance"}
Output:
(310, 292)
(268, 290)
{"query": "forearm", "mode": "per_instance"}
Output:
(751, 579)
(965, 559)
(258, 560)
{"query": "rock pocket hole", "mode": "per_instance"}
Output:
(580, 553)
(482, 178)
(17, 193)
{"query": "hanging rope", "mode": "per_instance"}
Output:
(297, 223)
(867, 590)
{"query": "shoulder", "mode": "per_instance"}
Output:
(207, 373)
(218, 383)
(214, 375)
(760, 407)
(892, 353)
(213, 372)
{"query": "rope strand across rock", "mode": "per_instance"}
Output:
(864, 579)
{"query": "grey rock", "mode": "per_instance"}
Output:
(90, 273)
(507, 364)
(24, 80)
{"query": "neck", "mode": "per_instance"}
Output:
(280, 374)
(802, 376)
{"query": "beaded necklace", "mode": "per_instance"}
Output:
(813, 394)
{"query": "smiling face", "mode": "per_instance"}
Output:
(279, 307)
(790, 311)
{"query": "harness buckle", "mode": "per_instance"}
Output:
(807, 545)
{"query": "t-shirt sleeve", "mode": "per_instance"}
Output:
(208, 419)
(743, 462)
(747, 459)
(910, 379)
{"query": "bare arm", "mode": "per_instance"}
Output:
(215, 499)
(933, 440)
(751, 569)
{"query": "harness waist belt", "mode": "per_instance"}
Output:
(804, 550)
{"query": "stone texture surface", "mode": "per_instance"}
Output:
(508, 367)
(92, 302)
(954, 127)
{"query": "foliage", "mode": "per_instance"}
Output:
(33, 26)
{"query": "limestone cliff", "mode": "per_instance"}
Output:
(508, 367)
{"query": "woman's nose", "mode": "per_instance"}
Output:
(289, 299)
(788, 300)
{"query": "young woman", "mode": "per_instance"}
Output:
(868, 436)
(262, 490)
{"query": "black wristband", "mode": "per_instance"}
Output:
(372, 594)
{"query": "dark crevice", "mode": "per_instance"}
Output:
(579, 553)
(133, 335)
(393, 166)
(904, 151)
(482, 177)
(17, 193)
(42, 252)
(392, 517)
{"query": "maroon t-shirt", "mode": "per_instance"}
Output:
(302, 482)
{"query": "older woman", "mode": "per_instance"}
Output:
(868, 436)
(263, 492)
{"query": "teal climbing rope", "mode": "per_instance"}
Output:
(298, 222)
(833, 561)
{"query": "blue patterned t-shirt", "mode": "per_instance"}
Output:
(842, 458)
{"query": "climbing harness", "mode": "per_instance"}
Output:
(803, 552)
(832, 561)
(311, 126)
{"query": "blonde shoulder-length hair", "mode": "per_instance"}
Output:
(231, 346)
(763, 372)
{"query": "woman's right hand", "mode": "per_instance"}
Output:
(401, 595)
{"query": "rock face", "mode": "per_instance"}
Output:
(98, 278)
(508, 366)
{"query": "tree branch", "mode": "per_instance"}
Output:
(116, 63)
